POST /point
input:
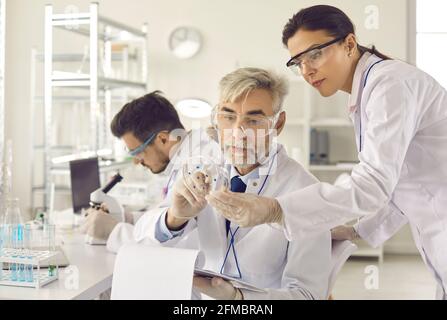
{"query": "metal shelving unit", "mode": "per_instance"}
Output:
(100, 86)
(2, 79)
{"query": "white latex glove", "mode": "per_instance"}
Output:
(188, 198)
(344, 233)
(245, 209)
(98, 224)
(217, 288)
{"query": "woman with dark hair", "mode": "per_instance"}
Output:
(400, 120)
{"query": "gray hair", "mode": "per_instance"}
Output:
(241, 82)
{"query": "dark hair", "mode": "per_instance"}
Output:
(328, 18)
(144, 116)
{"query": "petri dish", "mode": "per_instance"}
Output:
(202, 175)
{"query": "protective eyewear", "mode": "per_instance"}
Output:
(142, 147)
(313, 58)
(259, 123)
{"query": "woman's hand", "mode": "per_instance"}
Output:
(244, 209)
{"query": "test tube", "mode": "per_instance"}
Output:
(28, 237)
(7, 245)
(49, 234)
(14, 245)
(22, 252)
(50, 243)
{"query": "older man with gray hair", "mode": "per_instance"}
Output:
(247, 119)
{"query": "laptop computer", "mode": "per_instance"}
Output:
(84, 175)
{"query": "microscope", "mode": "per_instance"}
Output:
(115, 209)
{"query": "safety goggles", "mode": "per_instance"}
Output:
(260, 124)
(135, 152)
(312, 58)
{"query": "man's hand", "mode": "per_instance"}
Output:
(344, 233)
(98, 224)
(187, 202)
(217, 288)
(244, 209)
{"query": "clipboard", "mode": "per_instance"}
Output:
(235, 282)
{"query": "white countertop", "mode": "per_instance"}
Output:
(94, 263)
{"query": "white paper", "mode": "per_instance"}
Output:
(153, 273)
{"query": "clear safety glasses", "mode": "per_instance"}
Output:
(135, 152)
(260, 124)
(313, 58)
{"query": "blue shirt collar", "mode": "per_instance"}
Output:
(254, 174)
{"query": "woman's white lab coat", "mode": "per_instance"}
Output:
(400, 120)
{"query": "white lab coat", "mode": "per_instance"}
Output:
(377, 228)
(401, 118)
(288, 270)
(196, 143)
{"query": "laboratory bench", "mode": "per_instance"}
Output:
(88, 275)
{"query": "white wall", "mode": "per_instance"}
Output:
(235, 32)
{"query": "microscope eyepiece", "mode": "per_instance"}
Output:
(115, 180)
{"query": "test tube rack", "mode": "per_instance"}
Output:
(31, 261)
